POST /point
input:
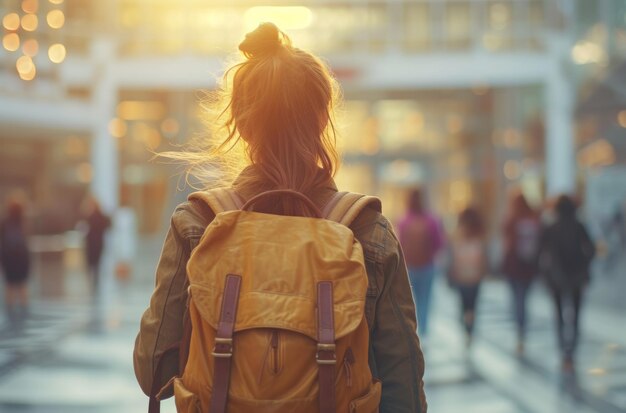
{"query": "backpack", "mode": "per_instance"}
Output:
(276, 308)
(527, 232)
(468, 261)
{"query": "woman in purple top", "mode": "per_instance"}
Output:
(421, 238)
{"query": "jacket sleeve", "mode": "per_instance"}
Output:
(161, 323)
(398, 356)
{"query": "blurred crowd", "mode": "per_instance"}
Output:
(550, 244)
(16, 254)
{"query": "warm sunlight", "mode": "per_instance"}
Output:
(287, 18)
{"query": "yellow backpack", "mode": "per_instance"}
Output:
(276, 305)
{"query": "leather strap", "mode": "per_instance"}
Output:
(223, 351)
(284, 192)
(326, 356)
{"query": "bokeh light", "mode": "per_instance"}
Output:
(56, 1)
(11, 21)
(30, 47)
(30, 22)
(117, 128)
(285, 17)
(30, 6)
(24, 64)
(11, 42)
(621, 118)
(26, 68)
(56, 53)
(55, 19)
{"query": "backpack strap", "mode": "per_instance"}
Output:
(223, 350)
(344, 207)
(326, 356)
(219, 199)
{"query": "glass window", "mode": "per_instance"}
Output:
(458, 26)
(357, 129)
(400, 124)
(417, 27)
(499, 33)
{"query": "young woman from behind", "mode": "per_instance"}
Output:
(279, 106)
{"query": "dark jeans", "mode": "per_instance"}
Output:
(421, 280)
(567, 327)
(469, 294)
(520, 288)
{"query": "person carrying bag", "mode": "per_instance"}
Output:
(279, 293)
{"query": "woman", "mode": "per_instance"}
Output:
(421, 239)
(279, 103)
(522, 230)
(566, 253)
(97, 225)
(468, 264)
(15, 258)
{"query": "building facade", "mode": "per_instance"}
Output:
(463, 97)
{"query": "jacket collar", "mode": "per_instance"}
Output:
(320, 196)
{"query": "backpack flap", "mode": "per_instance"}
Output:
(280, 260)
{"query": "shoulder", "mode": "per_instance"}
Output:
(376, 234)
(191, 218)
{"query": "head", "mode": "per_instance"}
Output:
(565, 207)
(470, 223)
(90, 205)
(280, 102)
(415, 200)
(518, 205)
(15, 207)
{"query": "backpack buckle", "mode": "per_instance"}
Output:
(223, 347)
(326, 354)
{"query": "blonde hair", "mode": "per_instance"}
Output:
(279, 104)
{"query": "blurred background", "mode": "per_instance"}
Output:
(465, 98)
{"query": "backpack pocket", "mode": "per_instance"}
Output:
(368, 403)
(186, 401)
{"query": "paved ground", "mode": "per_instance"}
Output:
(74, 355)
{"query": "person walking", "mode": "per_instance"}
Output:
(279, 103)
(566, 252)
(421, 238)
(468, 264)
(522, 230)
(97, 224)
(15, 259)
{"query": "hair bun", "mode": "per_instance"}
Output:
(264, 40)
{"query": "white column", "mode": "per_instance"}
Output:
(560, 140)
(104, 156)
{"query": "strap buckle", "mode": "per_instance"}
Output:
(326, 358)
(223, 347)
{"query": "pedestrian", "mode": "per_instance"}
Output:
(566, 252)
(15, 258)
(467, 265)
(97, 224)
(522, 229)
(421, 238)
(279, 105)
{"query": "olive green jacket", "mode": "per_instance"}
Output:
(395, 356)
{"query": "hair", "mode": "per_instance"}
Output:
(565, 207)
(470, 223)
(279, 104)
(519, 207)
(15, 207)
(415, 201)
